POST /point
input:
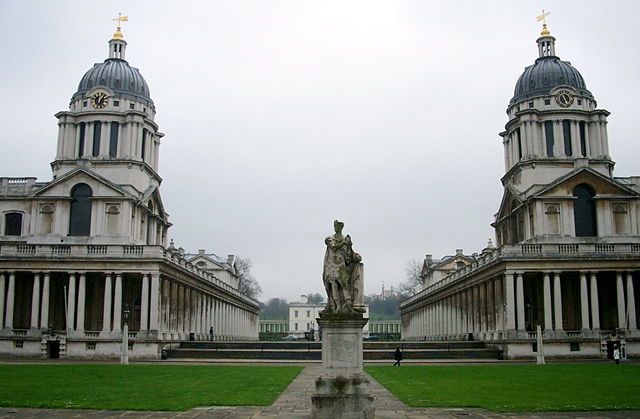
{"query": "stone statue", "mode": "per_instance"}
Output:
(342, 274)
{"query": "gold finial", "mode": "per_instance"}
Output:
(543, 18)
(119, 19)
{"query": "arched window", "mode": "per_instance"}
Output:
(620, 218)
(46, 219)
(584, 211)
(113, 214)
(13, 224)
(553, 218)
(80, 218)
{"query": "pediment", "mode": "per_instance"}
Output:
(602, 185)
(62, 186)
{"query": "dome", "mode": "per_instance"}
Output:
(548, 72)
(117, 75)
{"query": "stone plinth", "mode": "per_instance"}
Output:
(342, 390)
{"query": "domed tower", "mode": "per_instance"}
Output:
(556, 157)
(109, 128)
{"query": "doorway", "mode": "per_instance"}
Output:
(53, 349)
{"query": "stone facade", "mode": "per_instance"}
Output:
(80, 253)
(567, 234)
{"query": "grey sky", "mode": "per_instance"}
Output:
(281, 116)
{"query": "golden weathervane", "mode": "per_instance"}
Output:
(543, 18)
(119, 19)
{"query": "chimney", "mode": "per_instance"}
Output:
(200, 252)
(458, 252)
(304, 299)
(428, 258)
(231, 259)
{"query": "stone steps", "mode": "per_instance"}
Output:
(312, 351)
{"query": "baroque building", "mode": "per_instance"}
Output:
(87, 251)
(567, 254)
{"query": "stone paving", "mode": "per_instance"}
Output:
(295, 403)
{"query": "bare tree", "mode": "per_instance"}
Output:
(247, 284)
(413, 282)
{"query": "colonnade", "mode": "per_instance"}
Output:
(494, 309)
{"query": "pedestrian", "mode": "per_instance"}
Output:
(397, 356)
(616, 354)
(211, 333)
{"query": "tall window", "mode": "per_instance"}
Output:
(584, 211)
(620, 218)
(144, 143)
(113, 139)
(80, 218)
(519, 143)
(82, 128)
(548, 134)
(566, 134)
(13, 224)
(583, 139)
(97, 130)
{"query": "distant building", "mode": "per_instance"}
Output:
(433, 270)
(303, 315)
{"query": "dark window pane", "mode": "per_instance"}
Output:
(583, 140)
(566, 133)
(144, 143)
(519, 144)
(97, 129)
(113, 140)
(548, 134)
(584, 211)
(80, 218)
(82, 128)
(13, 224)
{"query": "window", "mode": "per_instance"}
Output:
(460, 265)
(574, 346)
(144, 143)
(584, 211)
(566, 134)
(113, 216)
(583, 138)
(519, 143)
(296, 328)
(18, 344)
(91, 346)
(84, 104)
(144, 109)
(548, 134)
(553, 219)
(308, 326)
(547, 101)
(131, 346)
(295, 314)
(201, 264)
(620, 218)
(46, 219)
(81, 134)
(97, 130)
(131, 106)
(113, 139)
(116, 103)
(308, 313)
(579, 101)
(13, 224)
(530, 105)
(80, 216)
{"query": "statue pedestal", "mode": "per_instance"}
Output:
(342, 390)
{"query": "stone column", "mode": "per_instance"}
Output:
(2, 288)
(491, 313)
(154, 301)
(584, 301)
(546, 285)
(11, 295)
(631, 304)
(106, 306)
(482, 300)
(622, 324)
(35, 301)
(557, 303)
(595, 309)
(510, 306)
(499, 304)
(44, 308)
(117, 304)
(82, 293)
(520, 300)
(71, 301)
(144, 305)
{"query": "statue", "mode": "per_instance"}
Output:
(342, 274)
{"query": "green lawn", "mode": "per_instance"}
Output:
(141, 387)
(515, 388)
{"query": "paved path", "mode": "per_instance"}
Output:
(295, 403)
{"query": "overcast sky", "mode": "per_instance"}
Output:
(281, 116)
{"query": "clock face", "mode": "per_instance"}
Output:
(564, 98)
(99, 100)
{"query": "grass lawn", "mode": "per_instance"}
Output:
(515, 388)
(141, 387)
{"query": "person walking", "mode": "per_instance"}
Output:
(211, 333)
(616, 354)
(397, 355)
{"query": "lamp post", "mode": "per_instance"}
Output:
(124, 360)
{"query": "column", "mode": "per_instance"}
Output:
(520, 300)
(595, 309)
(2, 282)
(631, 304)
(499, 304)
(470, 310)
(117, 304)
(35, 301)
(144, 305)
(491, 314)
(82, 292)
(71, 301)
(106, 306)
(546, 287)
(584, 301)
(44, 309)
(622, 324)
(510, 305)
(154, 301)
(557, 303)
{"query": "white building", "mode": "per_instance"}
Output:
(567, 230)
(81, 250)
(303, 315)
